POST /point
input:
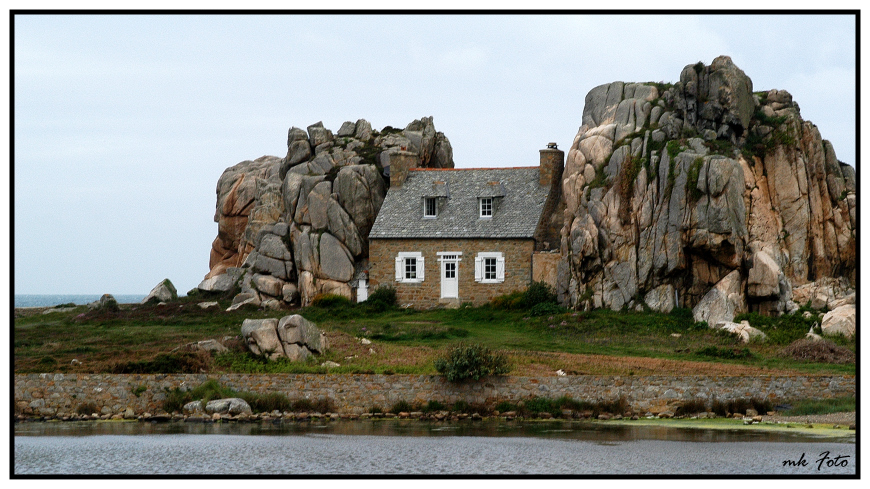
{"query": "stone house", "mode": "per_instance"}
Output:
(450, 236)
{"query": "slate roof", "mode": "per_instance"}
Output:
(519, 201)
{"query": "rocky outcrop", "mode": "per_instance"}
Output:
(840, 321)
(294, 227)
(744, 331)
(162, 292)
(707, 195)
(291, 337)
(106, 302)
(231, 406)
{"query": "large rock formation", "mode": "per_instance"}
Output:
(702, 194)
(292, 337)
(294, 227)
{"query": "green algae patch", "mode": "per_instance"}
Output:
(822, 430)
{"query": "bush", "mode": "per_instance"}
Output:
(331, 301)
(692, 406)
(175, 400)
(726, 353)
(740, 406)
(433, 406)
(546, 309)
(87, 408)
(504, 406)
(167, 363)
(461, 406)
(471, 362)
(318, 406)
(538, 293)
(266, 403)
(402, 406)
(513, 300)
(384, 297)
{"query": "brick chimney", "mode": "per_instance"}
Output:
(548, 231)
(552, 165)
(400, 163)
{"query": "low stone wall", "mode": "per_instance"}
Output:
(53, 394)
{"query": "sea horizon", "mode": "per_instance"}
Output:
(49, 300)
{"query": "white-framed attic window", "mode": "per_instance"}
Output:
(410, 267)
(430, 207)
(489, 267)
(485, 206)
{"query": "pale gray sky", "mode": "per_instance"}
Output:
(123, 124)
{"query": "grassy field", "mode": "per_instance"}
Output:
(142, 339)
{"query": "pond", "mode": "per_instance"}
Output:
(407, 447)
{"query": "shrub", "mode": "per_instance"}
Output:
(513, 300)
(167, 363)
(541, 405)
(176, 399)
(723, 408)
(433, 406)
(471, 362)
(319, 406)
(616, 406)
(692, 406)
(538, 293)
(210, 390)
(331, 301)
(546, 309)
(87, 408)
(461, 406)
(402, 406)
(726, 353)
(383, 296)
(262, 403)
(505, 406)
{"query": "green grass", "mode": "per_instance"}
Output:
(826, 406)
(405, 341)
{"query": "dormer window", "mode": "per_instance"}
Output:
(430, 208)
(486, 207)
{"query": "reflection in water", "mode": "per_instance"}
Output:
(571, 430)
(413, 447)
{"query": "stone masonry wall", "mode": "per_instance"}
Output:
(53, 394)
(517, 275)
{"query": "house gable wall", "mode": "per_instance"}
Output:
(517, 274)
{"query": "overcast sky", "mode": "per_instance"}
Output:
(123, 124)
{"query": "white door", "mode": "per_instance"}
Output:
(449, 278)
(362, 290)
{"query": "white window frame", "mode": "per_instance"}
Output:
(401, 266)
(434, 202)
(479, 267)
(491, 207)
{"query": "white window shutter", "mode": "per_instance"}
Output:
(420, 268)
(400, 269)
(478, 269)
(499, 268)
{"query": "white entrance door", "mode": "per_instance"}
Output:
(449, 277)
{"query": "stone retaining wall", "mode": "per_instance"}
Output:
(53, 394)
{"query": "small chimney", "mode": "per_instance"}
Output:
(400, 163)
(552, 165)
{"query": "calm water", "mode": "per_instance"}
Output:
(413, 447)
(48, 300)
